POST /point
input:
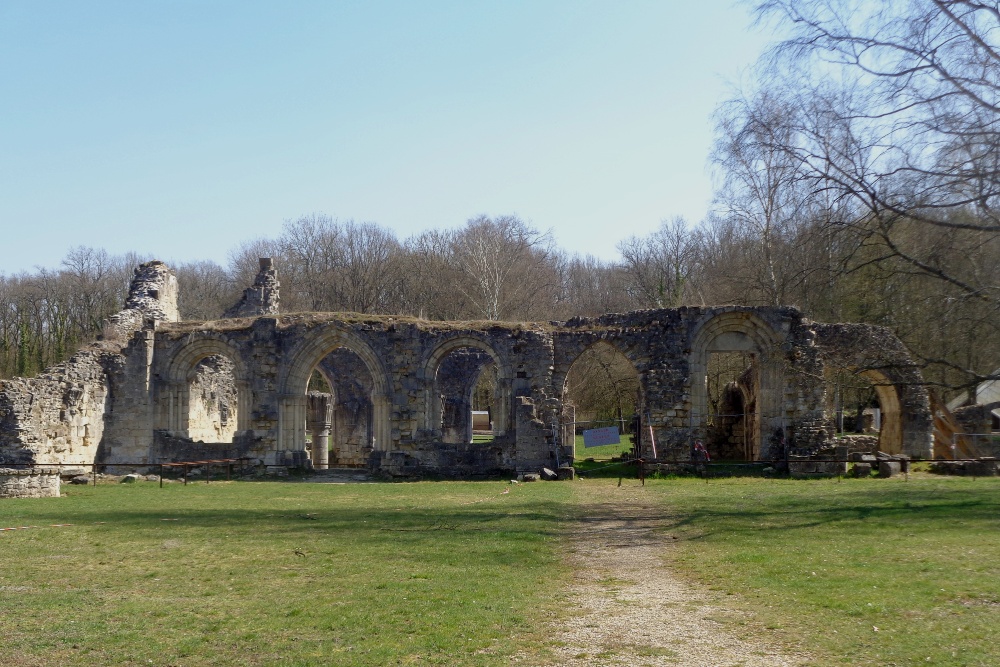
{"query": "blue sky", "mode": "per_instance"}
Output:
(178, 129)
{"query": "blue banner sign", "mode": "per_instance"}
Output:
(598, 437)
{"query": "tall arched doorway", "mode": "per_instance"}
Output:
(737, 387)
(601, 390)
(363, 399)
(341, 410)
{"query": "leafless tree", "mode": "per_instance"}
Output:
(888, 113)
(205, 290)
(761, 181)
(505, 267)
(660, 266)
(592, 286)
(370, 268)
(430, 280)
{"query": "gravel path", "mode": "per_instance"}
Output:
(629, 609)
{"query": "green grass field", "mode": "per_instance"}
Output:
(278, 573)
(269, 573)
(824, 563)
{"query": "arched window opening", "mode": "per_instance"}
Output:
(466, 379)
(732, 430)
(213, 400)
(318, 383)
(602, 390)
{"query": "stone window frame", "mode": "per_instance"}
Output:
(503, 399)
(173, 400)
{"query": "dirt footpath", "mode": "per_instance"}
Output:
(628, 608)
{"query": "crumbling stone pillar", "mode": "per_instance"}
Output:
(263, 297)
(320, 420)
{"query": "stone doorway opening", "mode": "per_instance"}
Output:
(484, 397)
(466, 384)
(340, 414)
(601, 390)
(732, 422)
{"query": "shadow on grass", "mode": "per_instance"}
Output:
(859, 509)
(540, 518)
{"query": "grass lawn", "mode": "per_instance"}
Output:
(422, 573)
(823, 564)
(262, 573)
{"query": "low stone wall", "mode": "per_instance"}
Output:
(826, 462)
(984, 467)
(169, 448)
(865, 444)
(29, 483)
(458, 461)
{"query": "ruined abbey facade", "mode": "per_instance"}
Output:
(397, 391)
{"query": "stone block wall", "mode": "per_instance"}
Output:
(168, 448)
(411, 364)
(535, 444)
(877, 354)
(214, 401)
(29, 483)
(866, 444)
(976, 418)
(66, 414)
(57, 417)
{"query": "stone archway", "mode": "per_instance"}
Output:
(743, 333)
(348, 413)
(606, 391)
(877, 355)
(431, 366)
(174, 400)
(890, 436)
(293, 385)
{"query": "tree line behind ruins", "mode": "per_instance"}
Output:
(869, 196)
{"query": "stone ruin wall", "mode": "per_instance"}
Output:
(64, 414)
(132, 402)
(976, 418)
(262, 298)
(667, 347)
(876, 353)
(57, 417)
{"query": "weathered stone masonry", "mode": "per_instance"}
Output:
(396, 380)
(29, 483)
(84, 409)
